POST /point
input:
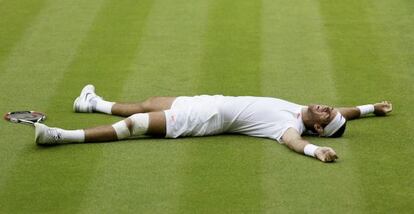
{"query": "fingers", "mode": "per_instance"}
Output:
(326, 154)
(382, 108)
(330, 155)
(389, 105)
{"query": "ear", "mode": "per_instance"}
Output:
(318, 128)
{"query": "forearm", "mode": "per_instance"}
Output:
(350, 113)
(297, 145)
(301, 146)
(295, 142)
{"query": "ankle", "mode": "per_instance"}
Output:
(72, 136)
(103, 106)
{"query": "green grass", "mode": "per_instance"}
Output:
(337, 53)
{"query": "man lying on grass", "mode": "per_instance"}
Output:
(173, 117)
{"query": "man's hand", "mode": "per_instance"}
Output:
(326, 154)
(382, 108)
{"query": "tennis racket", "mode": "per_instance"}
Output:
(25, 117)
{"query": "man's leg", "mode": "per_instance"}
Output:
(129, 127)
(152, 104)
(89, 101)
(152, 123)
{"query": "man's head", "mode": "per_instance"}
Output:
(324, 120)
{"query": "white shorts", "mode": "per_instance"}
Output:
(194, 116)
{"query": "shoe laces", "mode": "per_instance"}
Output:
(54, 134)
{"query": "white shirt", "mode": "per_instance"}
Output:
(260, 116)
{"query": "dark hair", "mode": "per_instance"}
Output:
(340, 131)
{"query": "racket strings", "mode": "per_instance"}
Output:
(25, 117)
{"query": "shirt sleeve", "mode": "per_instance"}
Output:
(286, 126)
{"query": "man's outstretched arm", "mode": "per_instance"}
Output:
(292, 139)
(379, 109)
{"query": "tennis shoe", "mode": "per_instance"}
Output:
(86, 102)
(45, 135)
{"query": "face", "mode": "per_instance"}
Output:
(321, 114)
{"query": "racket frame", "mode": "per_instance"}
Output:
(8, 116)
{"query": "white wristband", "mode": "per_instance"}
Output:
(366, 109)
(310, 149)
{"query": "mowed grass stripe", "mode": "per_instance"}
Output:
(16, 17)
(396, 56)
(32, 62)
(296, 61)
(297, 67)
(64, 158)
(222, 173)
(380, 68)
(31, 178)
(169, 60)
(103, 59)
(41, 57)
(150, 170)
(231, 58)
(399, 56)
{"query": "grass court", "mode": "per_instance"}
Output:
(329, 52)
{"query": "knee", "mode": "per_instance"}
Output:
(121, 129)
(139, 123)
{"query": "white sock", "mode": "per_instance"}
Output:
(103, 106)
(72, 136)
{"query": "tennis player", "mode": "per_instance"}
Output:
(204, 115)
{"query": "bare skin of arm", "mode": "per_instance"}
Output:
(351, 113)
(292, 139)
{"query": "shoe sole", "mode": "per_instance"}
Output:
(75, 105)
